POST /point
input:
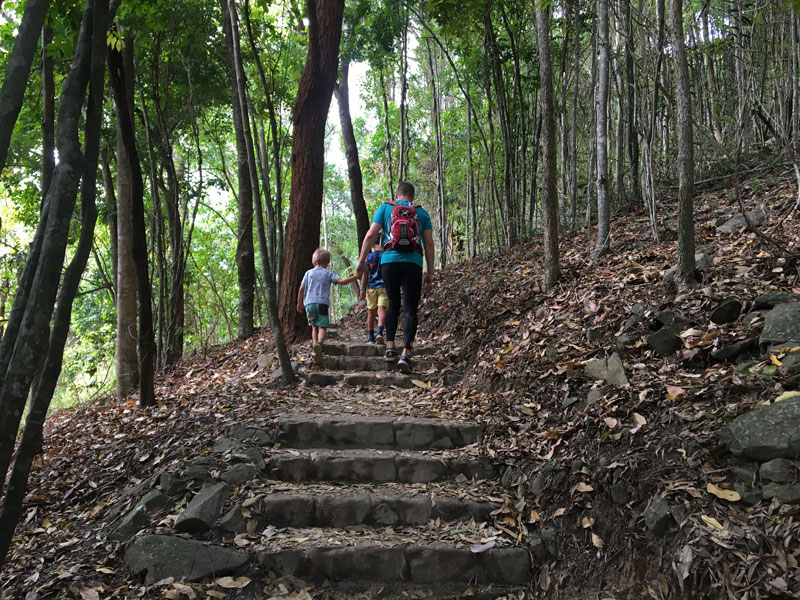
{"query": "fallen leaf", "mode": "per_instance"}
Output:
(587, 522)
(420, 384)
(729, 495)
(673, 391)
(582, 487)
(478, 548)
(558, 512)
(89, 594)
(787, 395)
(216, 594)
(640, 420)
(534, 517)
(232, 583)
(611, 422)
(185, 590)
(597, 541)
(712, 522)
(774, 360)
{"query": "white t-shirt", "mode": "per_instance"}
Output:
(317, 282)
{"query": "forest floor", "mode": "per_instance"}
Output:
(519, 355)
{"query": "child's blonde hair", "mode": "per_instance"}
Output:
(321, 257)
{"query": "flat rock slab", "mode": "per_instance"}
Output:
(364, 378)
(365, 466)
(342, 349)
(331, 510)
(769, 432)
(204, 509)
(782, 325)
(325, 431)
(368, 363)
(416, 564)
(162, 556)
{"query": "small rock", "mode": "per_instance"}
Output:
(239, 474)
(594, 396)
(670, 318)
(731, 352)
(777, 469)
(265, 360)
(657, 516)
(133, 522)
(665, 341)
(623, 341)
(727, 312)
(782, 325)
(750, 494)
(203, 510)
(619, 494)
(790, 364)
(232, 521)
(610, 370)
(171, 485)
(787, 494)
(756, 217)
(773, 297)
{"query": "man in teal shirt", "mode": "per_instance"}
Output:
(402, 271)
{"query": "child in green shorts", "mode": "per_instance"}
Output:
(312, 298)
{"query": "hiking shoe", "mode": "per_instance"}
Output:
(379, 339)
(390, 355)
(370, 337)
(318, 354)
(404, 364)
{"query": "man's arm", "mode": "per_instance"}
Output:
(366, 246)
(363, 290)
(427, 242)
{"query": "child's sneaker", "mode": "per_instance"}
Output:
(379, 339)
(370, 337)
(404, 364)
(318, 354)
(390, 355)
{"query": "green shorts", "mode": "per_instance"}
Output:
(317, 315)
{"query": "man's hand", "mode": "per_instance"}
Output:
(427, 281)
(361, 267)
(300, 308)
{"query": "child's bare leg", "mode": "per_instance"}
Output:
(371, 319)
(320, 334)
(381, 315)
(314, 334)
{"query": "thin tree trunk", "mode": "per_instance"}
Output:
(686, 263)
(48, 113)
(552, 272)
(351, 154)
(146, 345)
(601, 111)
(388, 131)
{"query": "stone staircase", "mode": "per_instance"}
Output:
(359, 506)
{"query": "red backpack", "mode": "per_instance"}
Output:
(403, 234)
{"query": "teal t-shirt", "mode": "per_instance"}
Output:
(384, 216)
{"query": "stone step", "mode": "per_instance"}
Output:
(370, 363)
(364, 349)
(373, 378)
(408, 433)
(429, 564)
(372, 510)
(371, 466)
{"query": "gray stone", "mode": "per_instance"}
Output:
(752, 316)
(153, 500)
(595, 335)
(505, 565)
(756, 217)
(172, 485)
(203, 510)
(731, 352)
(671, 318)
(355, 468)
(251, 456)
(773, 297)
(702, 261)
(665, 341)
(623, 341)
(658, 517)
(343, 511)
(750, 494)
(642, 309)
(744, 473)
(782, 325)
(291, 467)
(166, 556)
(265, 360)
(420, 469)
(785, 493)
(593, 395)
(790, 364)
(414, 510)
(771, 431)
(285, 510)
(364, 563)
(435, 563)
(384, 515)
(251, 434)
(239, 474)
(134, 521)
(278, 373)
(619, 494)
(777, 469)
(611, 370)
(233, 521)
(284, 562)
(727, 312)
(225, 445)
(198, 470)
(472, 469)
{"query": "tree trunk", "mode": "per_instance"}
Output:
(127, 332)
(27, 334)
(342, 92)
(245, 250)
(43, 389)
(552, 272)
(686, 264)
(387, 128)
(17, 70)
(48, 113)
(601, 111)
(631, 101)
(125, 127)
(308, 155)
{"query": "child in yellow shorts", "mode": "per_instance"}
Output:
(373, 290)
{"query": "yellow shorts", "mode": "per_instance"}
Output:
(376, 298)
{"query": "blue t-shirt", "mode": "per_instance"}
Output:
(317, 282)
(375, 279)
(384, 218)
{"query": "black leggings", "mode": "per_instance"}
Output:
(402, 279)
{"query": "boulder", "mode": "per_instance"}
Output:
(782, 325)
(756, 217)
(774, 297)
(787, 494)
(771, 431)
(611, 370)
(780, 470)
(727, 312)
(730, 352)
(162, 556)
